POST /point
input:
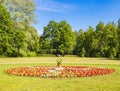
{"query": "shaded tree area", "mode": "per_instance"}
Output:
(104, 41)
(18, 37)
(118, 33)
(57, 38)
(10, 40)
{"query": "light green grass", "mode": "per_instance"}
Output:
(98, 83)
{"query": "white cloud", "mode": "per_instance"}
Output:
(52, 5)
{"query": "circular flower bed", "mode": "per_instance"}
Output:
(59, 72)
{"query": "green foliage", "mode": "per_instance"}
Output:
(19, 44)
(5, 32)
(17, 40)
(103, 42)
(59, 60)
(31, 54)
(22, 12)
(32, 39)
(22, 53)
(111, 56)
(118, 33)
(11, 41)
(83, 52)
(89, 42)
(58, 38)
(119, 56)
(80, 40)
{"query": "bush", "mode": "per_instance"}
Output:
(22, 53)
(119, 56)
(31, 54)
(111, 56)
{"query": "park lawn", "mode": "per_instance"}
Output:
(97, 83)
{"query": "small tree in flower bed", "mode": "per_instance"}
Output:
(59, 62)
(68, 71)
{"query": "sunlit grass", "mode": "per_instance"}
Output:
(53, 60)
(98, 83)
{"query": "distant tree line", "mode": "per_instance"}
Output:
(104, 41)
(19, 39)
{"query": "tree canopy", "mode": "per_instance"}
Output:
(15, 22)
(58, 37)
(22, 12)
(100, 42)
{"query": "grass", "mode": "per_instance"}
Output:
(97, 83)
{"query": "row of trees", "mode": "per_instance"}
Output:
(19, 38)
(104, 41)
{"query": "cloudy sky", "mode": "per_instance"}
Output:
(80, 14)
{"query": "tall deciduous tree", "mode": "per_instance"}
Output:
(80, 42)
(100, 36)
(5, 32)
(22, 12)
(90, 42)
(118, 33)
(67, 38)
(11, 41)
(111, 40)
(58, 37)
(32, 39)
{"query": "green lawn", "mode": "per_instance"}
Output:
(98, 83)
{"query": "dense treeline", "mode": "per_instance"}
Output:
(18, 38)
(104, 41)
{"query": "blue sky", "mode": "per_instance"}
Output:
(80, 14)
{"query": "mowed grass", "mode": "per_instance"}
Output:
(97, 83)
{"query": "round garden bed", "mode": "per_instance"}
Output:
(59, 72)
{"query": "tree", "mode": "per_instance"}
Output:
(110, 45)
(22, 12)
(90, 42)
(118, 33)
(119, 23)
(100, 36)
(58, 37)
(18, 44)
(49, 38)
(32, 39)
(5, 19)
(11, 41)
(80, 42)
(5, 31)
(67, 38)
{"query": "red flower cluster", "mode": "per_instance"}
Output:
(54, 72)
